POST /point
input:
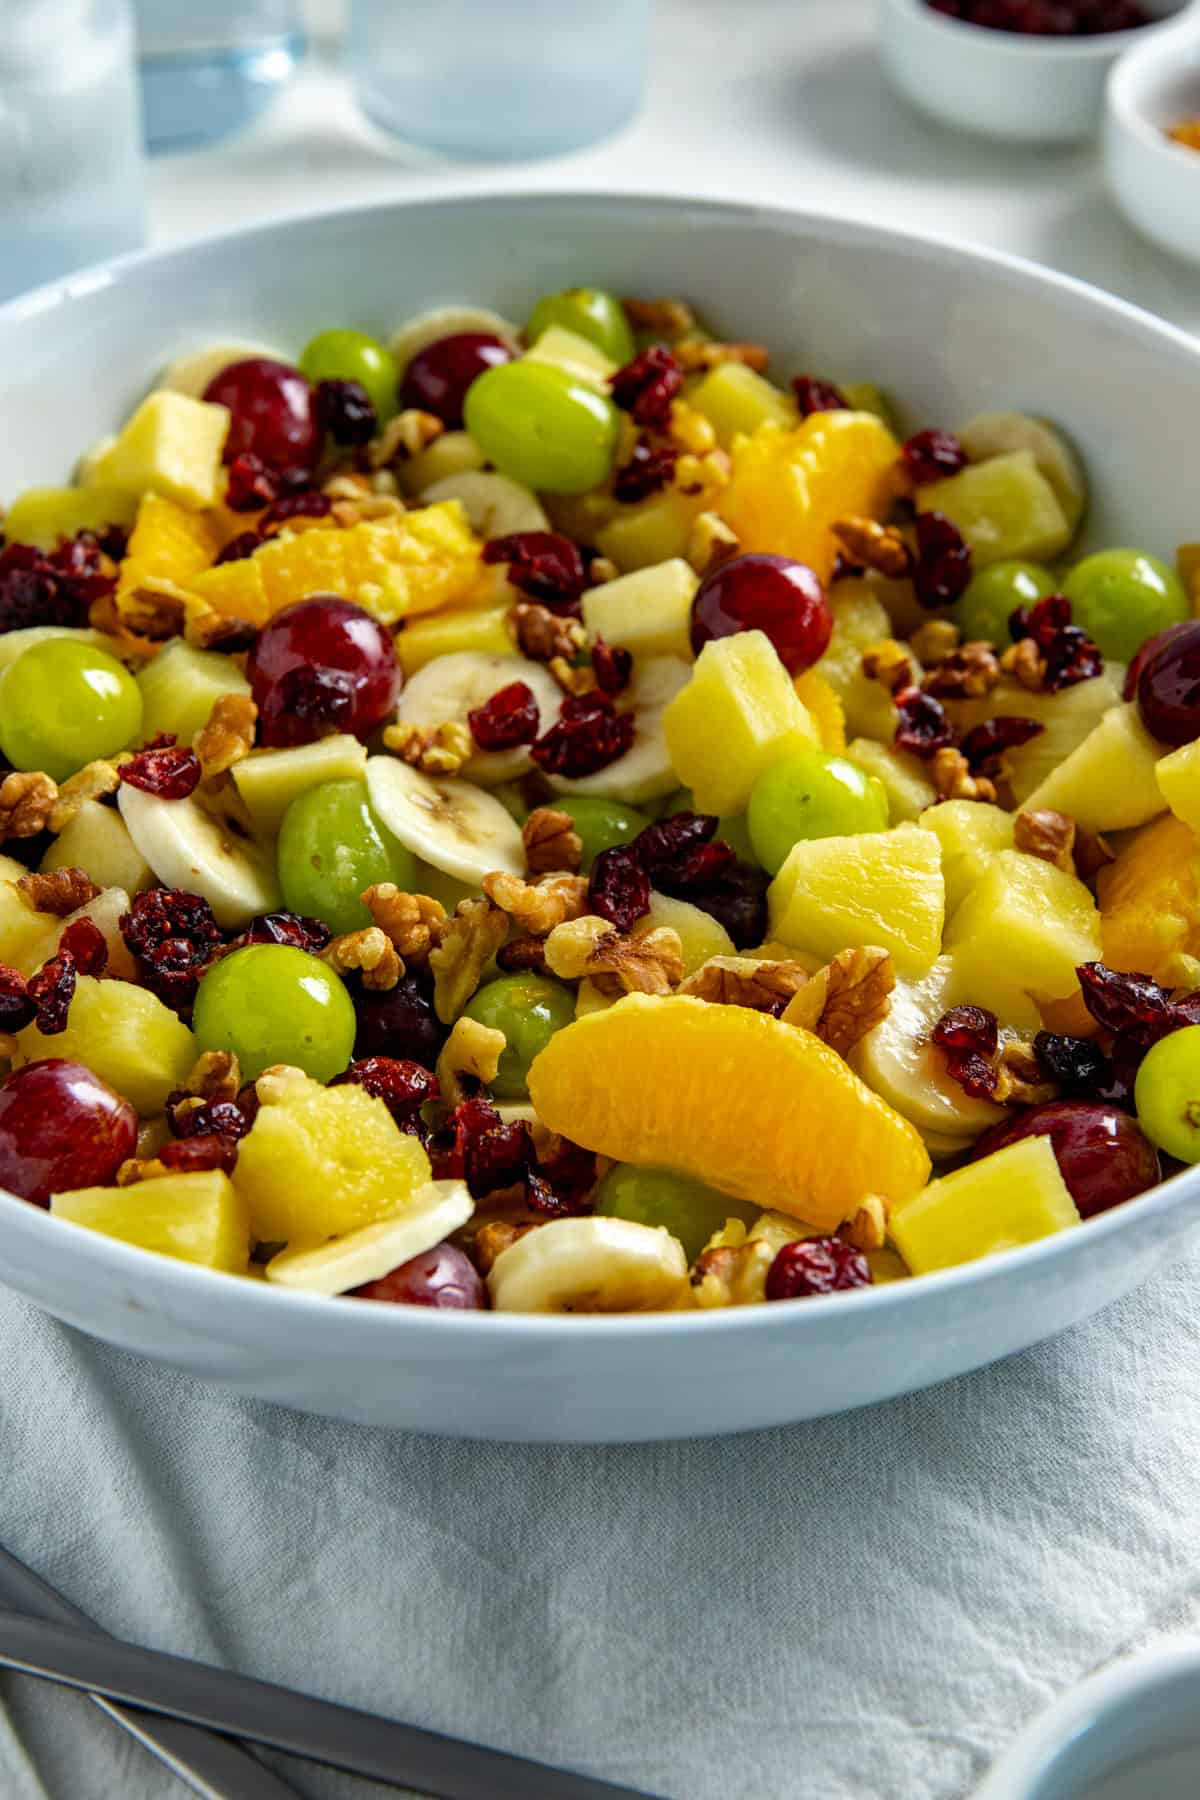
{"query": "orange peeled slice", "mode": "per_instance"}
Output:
(169, 546)
(759, 1109)
(1150, 899)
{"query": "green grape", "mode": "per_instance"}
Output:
(811, 795)
(736, 831)
(601, 824)
(541, 427)
(270, 1003)
(528, 1009)
(995, 593)
(511, 796)
(331, 848)
(689, 1209)
(63, 704)
(590, 313)
(1167, 1094)
(353, 356)
(1123, 597)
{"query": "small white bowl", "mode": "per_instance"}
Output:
(1130, 1733)
(1000, 84)
(1157, 183)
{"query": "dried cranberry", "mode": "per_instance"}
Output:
(398, 1021)
(681, 853)
(307, 503)
(251, 484)
(206, 1150)
(1070, 654)
(968, 1037)
(588, 735)
(16, 1006)
(345, 411)
(87, 945)
(816, 1266)
(814, 395)
(943, 566)
(404, 1087)
(306, 703)
(238, 548)
(476, 1146)
(171, 773)
(571, 1171)
(924, 728)
(52, 990)
(737, 899)
(1077, 1064)
(509, 718)
(543, 564)
(174, 937)
(931, 456)
(619, 887)
(647, 472)
(221, 1118)
(54, 589)
(646, 387)
(1125, 1002)
(612, 667)
(288, 928)
(991, 737)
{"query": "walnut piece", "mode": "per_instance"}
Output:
(953, 780)
(348, 513)
(369, 951)
(413, 922)
(732, 1275)
(591, 948)
(1026, 664)
(494, 1238)
(26, 802)
(888, 662)
(666, 318)
(468, 943)
(539, 906)
(227, 737)
(205, 628)
(471, 1049)
(1020, 1078)
(710, 542)
(140, 1168)
(61, 892)
(1092, 853)
(542, 635)
(215, 1075)
(867, 1230)
(601, 570)
(569, 946)
(92, 782)
(522, 953)
(551, 842)
(410, 432)
(874, 546)
(155, 612)
(434, 749)
(570, 679)
(934, 640)
(690, 432)
(965, 674)
(845, 999)
(1048, 834)
(745, 981)
(697, 357)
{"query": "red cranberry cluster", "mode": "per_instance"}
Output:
(646, 387)
(545, 565)
(509, 718)
(476, 1146)
(56, 587)
(814, 395)
(648, 471)
(45, 998)
(174, 937)
(162, 768)
(1070, 654)
(683, 857)
(588, 735)
(816, 1266)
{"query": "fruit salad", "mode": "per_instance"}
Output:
(550, 816)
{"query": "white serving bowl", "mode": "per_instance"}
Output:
(1000, 84)
(1157, 183)
(950, 332)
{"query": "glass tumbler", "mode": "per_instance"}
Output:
(499, 80)
(210, 67)
(71, 171)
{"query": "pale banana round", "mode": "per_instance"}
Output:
(434, 1211)
(449, 687)
(189, 847)
(192, 372)
(457, 827)
(1000, 433)
(589, 1265)
(447, 321)
(645, 771)
(494, 505)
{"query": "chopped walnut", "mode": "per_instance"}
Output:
(1020, 1078)
(468, 943)
(711, 542)
(965, 674)
(570, 679)
(413, 922)
(522, 953)
(207, 628)
(689, 431)
(215, 1075)
(140, 1168)
(887, 661)
(845, 999)
(369, 951)
(569, 946)
(471, 1049)
(92, 782)
(1048, 834)
(732, 1276)
(1092, 853)
(543, 635)
(697, 357)
(496, 1236)
(874, 546)
(26, 803)
(61, 892)
(589, 947)
(1026, 664)
(434, 749)
(410, 432)
(551, 842)
(539, 906)
(602, 570)
(276, 1085)
(934, 640)
(152, 612)
(702, 472)
(228, 735)
(667, 318)
(347, 484)
(867, 1230)
(744, 981)
(953, 780)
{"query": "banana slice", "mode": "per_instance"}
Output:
(589, 1265)
(644, 772)
(447, 321)
(449, 687)
(434, 1211)
(188, 847)
(998, 433)
(494, 505)
(453, 824)
(192, 372)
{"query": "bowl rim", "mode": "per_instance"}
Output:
(1015, 45)
(366, 1326)
(1128, 114)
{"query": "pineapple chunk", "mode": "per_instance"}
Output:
(483, 630)
(1025, 925)
(1110, 782)
(859, 619)
(198, 1217)
(180, 687)
(700, 935)
(1066, 719)
(737, 715)
(909, 790)
(650, 531)
(736, 401)
(574, 355)
(648, 612)
(25, 935)
(879, 888)
(172, 446)
(42, 515)
(1178, 777)
(969, 831)
(15, 643)
(126, 1035)
(454, 453)
(319, 1162)
(1014, 1196)
(269, 780)
(1004, 507)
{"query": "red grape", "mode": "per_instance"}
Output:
(1168, 685)
(274, 414)
(1102, 1153)
(443, 1276)
(344, 653)
(765, 593)
(437, 378)
(61, 1127)
(1151, 647)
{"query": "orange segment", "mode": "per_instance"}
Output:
(824, 707)
(757, 1108)
(788, 487)
(168, 545)
(1150, 899)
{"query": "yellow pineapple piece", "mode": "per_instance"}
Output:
(1066, 718)
(879, 888)
(171, 446)
(1003, 507)
(650, 531)
(483, 629)
(1109, 783)
(197, 1217)
(169, 545)
(700, 935)
(97, 839)
(268, 781)
(24, 934)
(859, 619)
(736, 401)
(126, 1035)
(1014, 1196)
(969, 831)
(788, 487)
(909, 789)
(1178, 777)
(820, 700)
(737, 715)
(1149, 899)
(1025, 925)
(180, 687)
(319, 1162)
(43, 515)
(648, 611)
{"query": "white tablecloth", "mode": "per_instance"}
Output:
(866, 1607)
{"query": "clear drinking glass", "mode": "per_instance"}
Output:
(211, 66)
(71, 172)
(481, 78)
